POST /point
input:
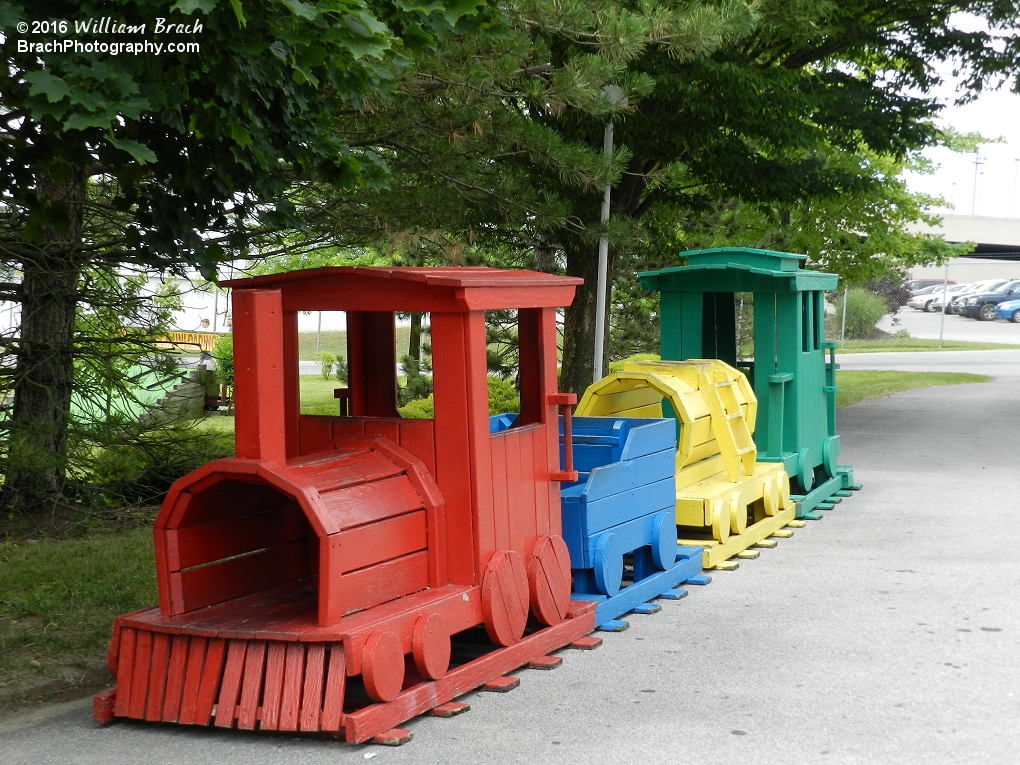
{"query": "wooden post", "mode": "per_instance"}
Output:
(259, 422)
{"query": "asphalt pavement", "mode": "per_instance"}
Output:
(887, 632)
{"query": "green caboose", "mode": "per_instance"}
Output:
(792, 367)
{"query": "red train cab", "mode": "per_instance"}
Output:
(328, 577)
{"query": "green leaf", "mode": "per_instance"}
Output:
(190, 6)
(236, 5)
(85, 121)
(240, 134)
(303, 10)
(45, 84)
(139, 151)
(9, 15)
(279, 49)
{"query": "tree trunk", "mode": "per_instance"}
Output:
(579, 319)
(45, 366)
(414, 341)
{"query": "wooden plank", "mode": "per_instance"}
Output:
(331, 593)
(197, 545)
(336, 682)
(230, 688)
(210, 682)
(125, 670)
(311, 701)
(373, 585)
(345, 470)
(251, 685)
(293, 684)
(157, 676)
(370, 502)
(377, 542)
(275, 656)
(348, 427)
(258, 375)
(232, 498)
(380, 364)
(618, 477)
(232, 578)
(314, 434)
(454, 470)
(381, 426)
(501, 501)
(175, 678)
(192, 679)
(419, 438)
(140, 674)
(291, 383)
(525, 518)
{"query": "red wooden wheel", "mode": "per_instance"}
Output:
(505, 598)
(430, 646)
(382, 666)
(549, 579)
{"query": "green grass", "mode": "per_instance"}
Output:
(57, 604)
(335, 342)
(913, 344)
(861, 385)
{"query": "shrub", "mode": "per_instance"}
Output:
(223, 353)
(863, 311)
(503, 397)
(326, 360)
(418, 385)
(419, 409)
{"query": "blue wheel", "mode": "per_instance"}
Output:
(664, 540)
(608, 564)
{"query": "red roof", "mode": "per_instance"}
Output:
(366, 288)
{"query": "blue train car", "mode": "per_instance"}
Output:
(619, 519)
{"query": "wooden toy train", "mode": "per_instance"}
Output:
(345, 574)
(314, 582)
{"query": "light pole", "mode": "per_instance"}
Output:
(973, 201)
(1012, 205)
(615, 95)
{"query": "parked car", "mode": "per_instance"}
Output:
(916, 284)
(1010, 311)
(921, 299)
(981, 306)
(940, 299)
(987, 285)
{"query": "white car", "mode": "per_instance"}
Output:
(941, 299)
(922, 299)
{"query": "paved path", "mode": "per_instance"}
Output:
(885, 633)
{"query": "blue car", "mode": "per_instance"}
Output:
(1010, 311)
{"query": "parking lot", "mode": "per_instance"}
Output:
(927, 326)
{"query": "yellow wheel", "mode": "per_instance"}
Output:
(772, 494)
(720, 521)
(737, 513)
(784, 491)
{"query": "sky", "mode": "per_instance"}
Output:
(994, 114)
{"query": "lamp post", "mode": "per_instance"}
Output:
(973, 201)
(615, 95)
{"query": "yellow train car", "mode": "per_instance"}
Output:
(726, 500)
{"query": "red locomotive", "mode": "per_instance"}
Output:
(314, 581)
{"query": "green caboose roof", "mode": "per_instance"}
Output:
(738, 269)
